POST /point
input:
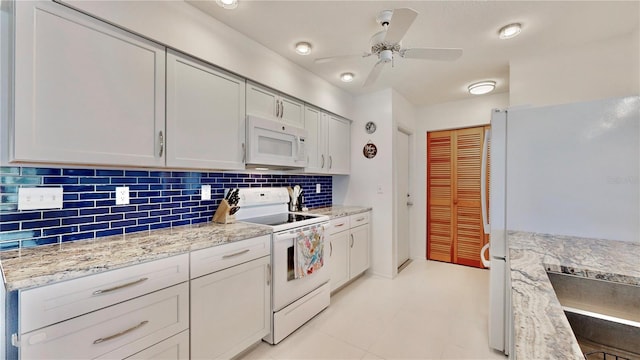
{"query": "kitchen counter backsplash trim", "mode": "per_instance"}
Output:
(158, 200)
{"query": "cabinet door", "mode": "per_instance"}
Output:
(339, 258)
(359, 250)
(230, 310)
(339, 146)
(314, 122)
(291, 111)
(205, 115)
(85, 92)
(260, 101)
(173, 348)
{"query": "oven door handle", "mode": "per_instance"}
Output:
(289, 236)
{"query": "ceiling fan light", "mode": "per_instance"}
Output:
(346, 77)
(510, 31)
(227, 4)
(303, 48)
(482, 87)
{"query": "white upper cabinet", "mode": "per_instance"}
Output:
(328, 142)
(205, 115)
(85, 91)
(339, 145)
(268, 103)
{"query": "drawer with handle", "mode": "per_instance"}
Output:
(359, 219)
(133, 325)
(51, 304)
(220, 257)
(339, 224)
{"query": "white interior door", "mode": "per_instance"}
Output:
(403, 198)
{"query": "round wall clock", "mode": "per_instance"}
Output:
(370, 150)
(370, 127)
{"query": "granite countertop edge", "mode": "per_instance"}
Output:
(541, 329)
(43, 265)
(336, 211)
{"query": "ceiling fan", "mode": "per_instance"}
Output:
(386, 43)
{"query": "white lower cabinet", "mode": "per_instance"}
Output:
(230, 308)
(114, 332)
(348, 248)
(173, 348)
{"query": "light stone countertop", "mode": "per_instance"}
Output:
(337, 211)
(42, 265)
(540, 326)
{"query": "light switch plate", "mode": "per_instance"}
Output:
(205, 193)
(122, 195)
(380, 189)
(35, 198)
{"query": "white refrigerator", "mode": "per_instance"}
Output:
(570, 169)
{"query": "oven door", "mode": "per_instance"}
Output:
(286, 288)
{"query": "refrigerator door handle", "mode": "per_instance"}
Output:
(485, 262)
(483, 183)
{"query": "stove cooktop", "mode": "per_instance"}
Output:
(279, 219)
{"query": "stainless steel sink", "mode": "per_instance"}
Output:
(604, 315)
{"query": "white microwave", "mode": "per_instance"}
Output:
(273, 143)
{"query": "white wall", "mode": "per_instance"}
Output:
(596, 70)
(361, 187)
(183, 27)
(475, 111)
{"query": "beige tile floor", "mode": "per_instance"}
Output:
(431, 310)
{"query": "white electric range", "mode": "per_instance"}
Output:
(294, 301)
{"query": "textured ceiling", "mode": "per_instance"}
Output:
(345, 27)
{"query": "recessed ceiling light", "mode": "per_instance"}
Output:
(346, 77)
(303, 48)
(482, 87)
(510, 31)
(227, 4)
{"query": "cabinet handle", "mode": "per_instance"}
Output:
(351, 241)
(360, 219)
(268, 274)
(111, 337)
(340, 225)
(330, 161)
(244, 153)
(139, 281)
(161, 138)
(330, 249)
(322, 162)
(236, 254)
(277, 108)
(281, 109)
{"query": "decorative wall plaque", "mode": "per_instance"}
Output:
(370, 150)
(370, 127)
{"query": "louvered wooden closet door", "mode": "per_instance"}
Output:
(454, 224)
(469, 236)
(439, 190)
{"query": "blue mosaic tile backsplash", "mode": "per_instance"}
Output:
(158, 199)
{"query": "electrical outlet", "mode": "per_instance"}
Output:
(35, 198)
(122, 195)
(205, 193)
(318, 188)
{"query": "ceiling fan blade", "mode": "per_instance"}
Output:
(432, 54)
(374, 74)
(401, 20)
(334, 58)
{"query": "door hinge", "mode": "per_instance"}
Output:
(15, 341)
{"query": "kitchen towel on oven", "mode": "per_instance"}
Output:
(308, 252)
